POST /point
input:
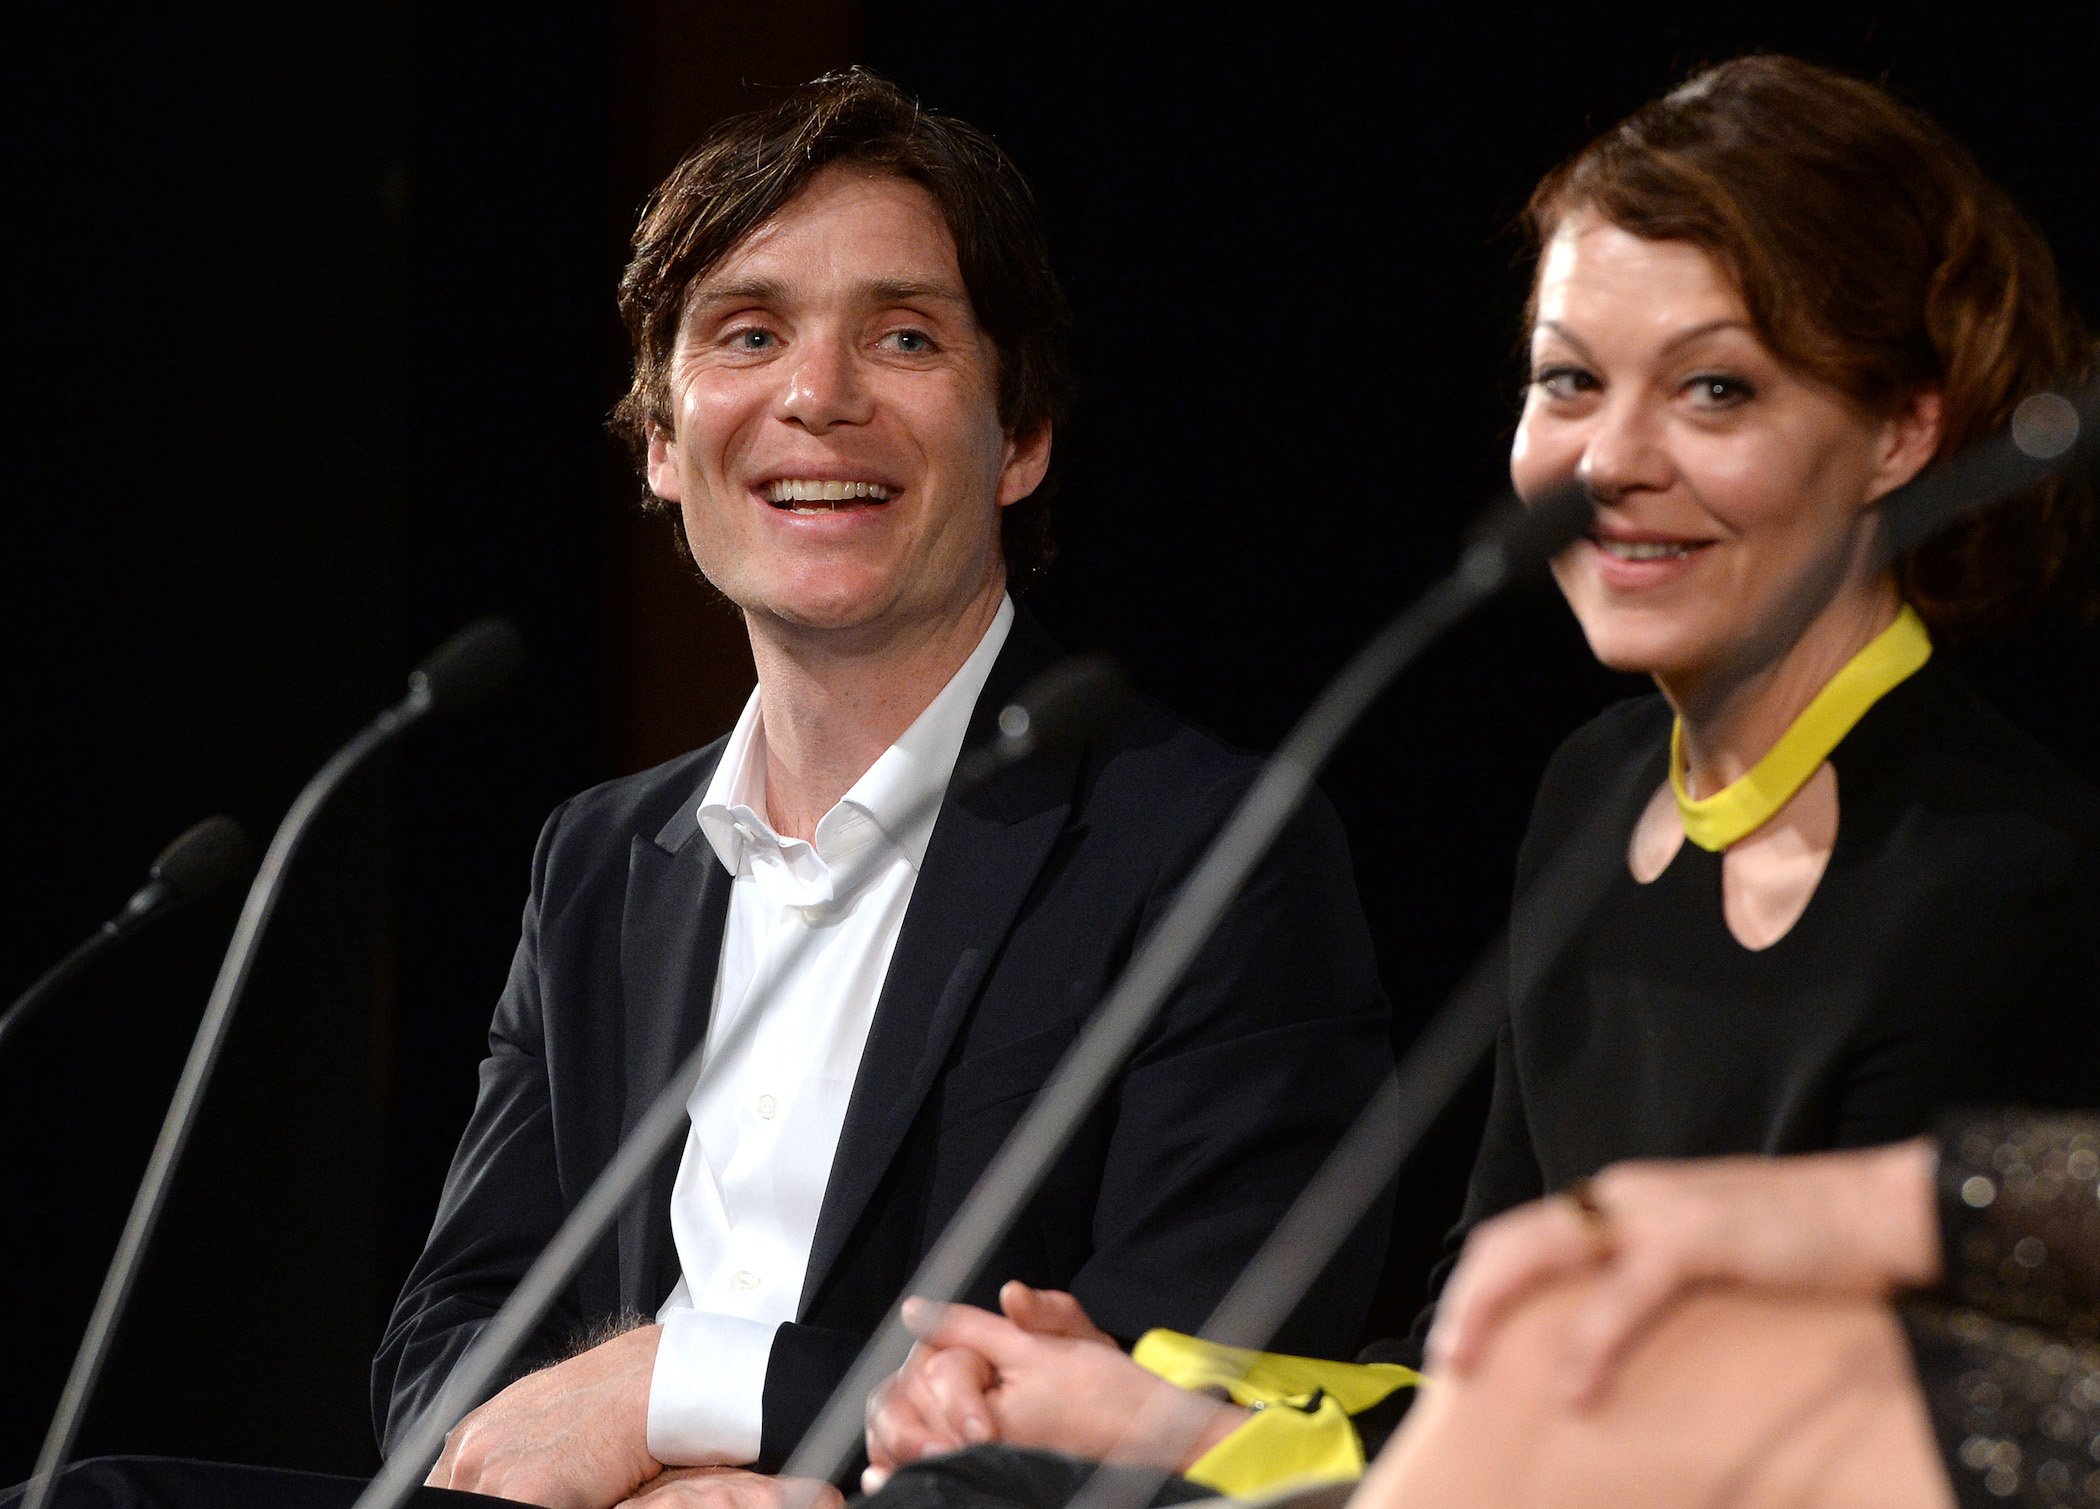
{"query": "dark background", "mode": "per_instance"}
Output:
(313, 334)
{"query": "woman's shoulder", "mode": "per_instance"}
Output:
(1950, 753)
(1936, 783)
(1598, 780)
(1619, 743)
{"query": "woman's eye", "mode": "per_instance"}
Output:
(1719, 390)
(1563, 382)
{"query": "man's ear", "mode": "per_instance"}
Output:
(1910, 438)
(662, 469)
(1027, 460)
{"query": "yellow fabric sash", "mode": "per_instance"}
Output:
(1743, 806)
(1301, 1430)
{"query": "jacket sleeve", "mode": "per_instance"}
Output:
(502, 1202)
(1263, 1057)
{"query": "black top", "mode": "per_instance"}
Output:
(1945, 957)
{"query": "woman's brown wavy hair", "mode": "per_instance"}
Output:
(1874, 255)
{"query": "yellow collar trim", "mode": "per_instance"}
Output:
(1743, 806)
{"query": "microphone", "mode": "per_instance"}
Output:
(1059, 708)
(198, 862)
(1511, 543)
(467, 668)
(2050, 432)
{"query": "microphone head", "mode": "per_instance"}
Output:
(1519, 538)
(214, 853)
(470, 667)
(1063, 704)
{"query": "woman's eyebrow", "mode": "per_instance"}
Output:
(1681, 338)
(1686, 337)
(1556, 328)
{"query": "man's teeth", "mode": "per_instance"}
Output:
(1648, 550)
(795, 490)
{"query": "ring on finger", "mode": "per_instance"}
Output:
(1590, 1214)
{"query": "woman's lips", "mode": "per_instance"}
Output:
(1634, 563)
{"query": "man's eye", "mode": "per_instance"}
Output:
(752, 340)
(1563, 382)
(910, 342)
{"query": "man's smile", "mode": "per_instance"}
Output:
(796, 490)
(813, 495)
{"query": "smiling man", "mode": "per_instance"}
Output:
(849, 369)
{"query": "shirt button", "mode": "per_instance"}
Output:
(767, 1105)
(744, 1278)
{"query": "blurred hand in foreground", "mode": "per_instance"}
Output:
(1857, 1224)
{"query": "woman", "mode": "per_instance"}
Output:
(1724, 1316)
(1815, 888)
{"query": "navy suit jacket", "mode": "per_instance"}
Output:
(1033, 891)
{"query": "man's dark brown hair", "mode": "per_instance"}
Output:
(751, 166)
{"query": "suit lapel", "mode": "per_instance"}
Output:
(985, 853)
(670, 947)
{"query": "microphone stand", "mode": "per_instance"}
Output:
(1057, 707)
(486, 651)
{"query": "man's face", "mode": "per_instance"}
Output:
(836, 450)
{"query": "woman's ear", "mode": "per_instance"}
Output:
(1910, 439)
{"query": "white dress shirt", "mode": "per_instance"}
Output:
(766, 1120)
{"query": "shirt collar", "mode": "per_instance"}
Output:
(915, 768)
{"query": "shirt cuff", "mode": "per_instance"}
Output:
(706, 1396)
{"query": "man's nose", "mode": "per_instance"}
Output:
(1624, 452)
(825, 387)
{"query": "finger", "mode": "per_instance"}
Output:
(991, 1336)
(1626, 1303)
(1505, 1260)
(876, 1422)
(441, 1470)
(900, 1432)
(954, 1385)
(1048, 1312)
(872, 1478)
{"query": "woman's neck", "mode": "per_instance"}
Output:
(1732, 716)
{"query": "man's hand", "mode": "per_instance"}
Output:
(571, 1436)
(1853, 1224)
(1041, 1375)
(732, 1488)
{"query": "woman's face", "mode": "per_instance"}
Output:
(1732, 490)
